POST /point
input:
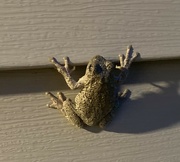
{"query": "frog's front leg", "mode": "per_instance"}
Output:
(66, 106)
(66, 72)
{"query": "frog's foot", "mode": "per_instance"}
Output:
(106, 120)
(57, 102)
(126, 60)
(66, 71)
(66, 106)
(68, 67)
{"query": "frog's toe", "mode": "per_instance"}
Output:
(55, 101)
(61, 96)
(125, 94)
(68, 65)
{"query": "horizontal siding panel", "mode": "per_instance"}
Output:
(33, 31)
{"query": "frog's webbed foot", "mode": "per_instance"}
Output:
(66, 106)
(126, 60)
(106, 120)
(67, 68)
(57, 102)
(66, 71)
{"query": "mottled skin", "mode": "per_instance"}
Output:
(99, 95)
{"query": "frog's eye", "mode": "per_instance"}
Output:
(98, 69)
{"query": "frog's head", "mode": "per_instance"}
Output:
(98, 65)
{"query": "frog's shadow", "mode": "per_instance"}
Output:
(151, 112)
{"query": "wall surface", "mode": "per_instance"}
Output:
(146, 127)
(32, 31)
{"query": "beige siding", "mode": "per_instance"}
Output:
(33, 31)
(146, 128)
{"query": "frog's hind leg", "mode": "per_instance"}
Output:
(66, 106)
(106, 120)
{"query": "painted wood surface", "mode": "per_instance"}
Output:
(146, 128)
(32, 31)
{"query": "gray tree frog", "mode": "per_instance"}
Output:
(100, 90)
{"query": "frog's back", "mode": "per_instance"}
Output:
(94, 102)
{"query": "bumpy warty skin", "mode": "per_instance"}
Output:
(100, 93)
